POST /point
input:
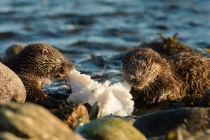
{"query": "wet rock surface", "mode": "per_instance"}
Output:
(30, 121)
(73, 115)
(176, 123)
(110, 128)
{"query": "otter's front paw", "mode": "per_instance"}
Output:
(153, 98)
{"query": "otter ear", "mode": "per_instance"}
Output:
(44, 52)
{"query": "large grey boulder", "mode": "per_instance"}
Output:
(30, 121)
(11, 87)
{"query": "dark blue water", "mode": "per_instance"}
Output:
(95, 33)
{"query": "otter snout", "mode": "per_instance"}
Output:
(68, 66)
(139, 84)
(65, 68)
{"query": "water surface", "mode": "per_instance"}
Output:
(95, 33)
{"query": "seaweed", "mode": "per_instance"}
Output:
(168, 46)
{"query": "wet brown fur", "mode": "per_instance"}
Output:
(193, 70)
(33, 64)
(155, 79)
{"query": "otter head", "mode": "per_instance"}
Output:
(141, 67)
(43, 60)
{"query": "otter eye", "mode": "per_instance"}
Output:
(134, 80)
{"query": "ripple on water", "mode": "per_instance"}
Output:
(95, 34)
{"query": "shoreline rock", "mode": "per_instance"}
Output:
(31, 121)
(175, 123)
(110, 128)
(11, 87)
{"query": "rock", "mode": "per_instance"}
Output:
(175, 123)
(95, 112)
(181, 133)
(192, 100)
(30, 121)
(109, 128)
(11, 87)
(129, 119)
(71, 114)
(205, 101)
(12, 50)
(142, 107)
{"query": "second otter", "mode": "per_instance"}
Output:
(156, 79)
(33, 64)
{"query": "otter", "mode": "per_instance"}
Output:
(155, 78)
(35, 63)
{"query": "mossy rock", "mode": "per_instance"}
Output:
(110, 128)
(31, 121)
(12, 50)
